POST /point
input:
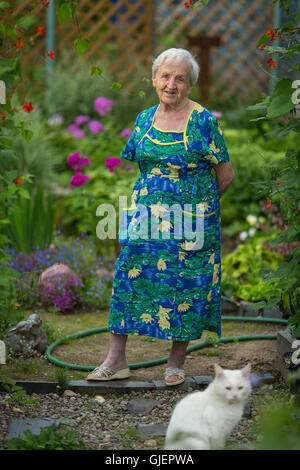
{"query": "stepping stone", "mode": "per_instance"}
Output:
(152, 429)
(17, 427)
(142, 405)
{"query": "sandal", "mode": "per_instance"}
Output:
(108, 373)
(174, 372)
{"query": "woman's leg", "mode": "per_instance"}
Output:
(116, 354)
(177, 357)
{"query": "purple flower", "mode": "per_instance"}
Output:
(111, 162)
(102, 105)
(125, 133)
(96, 126)
(72, 128)
(81, 119)
(78, 180)
(254, 380)
(74, 159)
(79, 134)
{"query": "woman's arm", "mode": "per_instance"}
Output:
(224, 176)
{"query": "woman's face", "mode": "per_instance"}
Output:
(172, 82)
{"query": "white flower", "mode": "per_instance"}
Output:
(55, 120)
(251, 219)
(99, 399)
(251, 231)
(243, 235)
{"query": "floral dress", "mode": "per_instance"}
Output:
(167, 282)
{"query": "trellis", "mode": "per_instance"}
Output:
(127, 34)
(236, 66)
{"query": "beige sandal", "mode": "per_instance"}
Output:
(108, 373)
(171, 372)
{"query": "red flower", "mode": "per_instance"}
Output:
(186, 5)
(50, 54)
(278, 182)
(27, 107)
(269, 60)
(19, 43)
(261, 47)
(46, 4)
(17, 181)
(40, 30)
(269, 203)
(274, 64)
(2, 116)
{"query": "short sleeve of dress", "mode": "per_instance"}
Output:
(213, 145)
(129, 151)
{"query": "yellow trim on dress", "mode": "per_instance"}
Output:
(197, 215)
(185, 139)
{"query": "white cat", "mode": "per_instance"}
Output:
(204, 420)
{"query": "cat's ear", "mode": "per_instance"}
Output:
(218, 371)
(246, 370)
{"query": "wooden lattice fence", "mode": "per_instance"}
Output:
(128, 34)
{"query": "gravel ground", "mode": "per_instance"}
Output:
(111, 426)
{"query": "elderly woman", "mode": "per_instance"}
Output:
(166, 285)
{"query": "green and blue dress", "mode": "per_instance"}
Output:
(167, 282)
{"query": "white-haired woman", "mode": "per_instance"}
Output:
(167, 284)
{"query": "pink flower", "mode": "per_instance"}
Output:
(102, 105)
(74, 159)
(84, 161)
(78, 180)
(111, 162)
(81, 119)
(217, 114)
(96, 126)
(125, 133)
(128, 167)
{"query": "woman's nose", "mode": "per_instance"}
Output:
(171, 83)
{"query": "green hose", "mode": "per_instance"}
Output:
(163, 360)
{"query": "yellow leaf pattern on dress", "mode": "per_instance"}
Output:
(183, 307)
(213, 147)
(209, 296)
(212, 259)
(161, 265)
(146, 317)
(143, 192)
(215, 276)
(157, 209)
(134, 272)
(165, 226)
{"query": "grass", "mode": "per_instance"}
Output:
(91, 349)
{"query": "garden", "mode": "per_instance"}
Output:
(59, 162)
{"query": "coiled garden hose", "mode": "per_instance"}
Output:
(203, 344)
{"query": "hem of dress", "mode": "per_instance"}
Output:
(170, 338)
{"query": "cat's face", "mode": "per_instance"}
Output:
(233, 385)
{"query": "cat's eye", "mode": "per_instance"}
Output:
(240, 388)
(228, 388)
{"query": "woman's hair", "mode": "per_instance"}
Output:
(179, 55)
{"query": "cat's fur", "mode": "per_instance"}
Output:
(204, 420)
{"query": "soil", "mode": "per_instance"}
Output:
(91, 350)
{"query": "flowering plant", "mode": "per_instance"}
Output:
(283, 190)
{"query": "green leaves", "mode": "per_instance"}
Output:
(279, 102)
(65, 10)
(96, 70)
(280, 99)
(82, 45)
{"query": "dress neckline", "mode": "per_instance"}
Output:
(171, 130)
